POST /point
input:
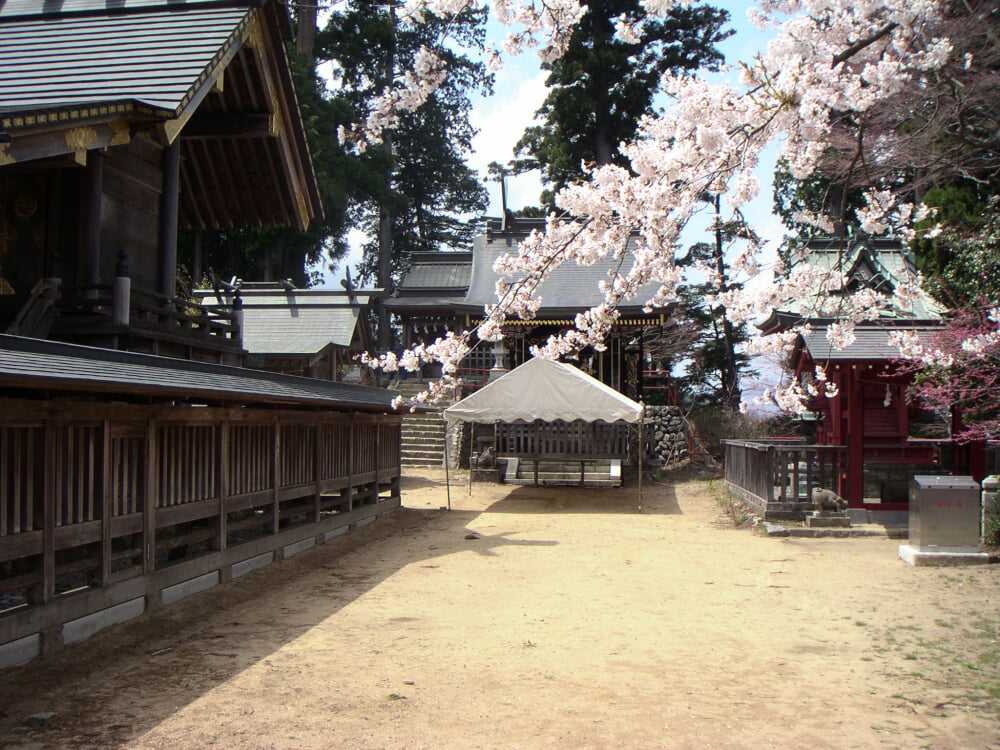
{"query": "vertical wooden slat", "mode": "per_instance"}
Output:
(276, 476)
(150, 498)
(106, 488)
(350, 462)
(48, 524)
(222, 484)
(317, 472)
(8, 500)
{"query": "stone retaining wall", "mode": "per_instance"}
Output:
(667, 434)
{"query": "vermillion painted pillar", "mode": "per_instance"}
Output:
(855, 439)
(168, 218)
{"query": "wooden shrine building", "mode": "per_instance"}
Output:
(448, 291)
(868, 440)
(139, 463)
(316, 333)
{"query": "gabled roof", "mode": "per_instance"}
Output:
(545, 390)
(870, 343)
(437, 271)
(36, 364)
(875, 263)
(569, 289)
(299, 322)
(79, 75)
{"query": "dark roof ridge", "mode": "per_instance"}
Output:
(22, 10)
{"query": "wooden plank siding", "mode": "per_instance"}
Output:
(95, 495)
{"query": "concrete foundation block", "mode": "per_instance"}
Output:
(84, 627)
(191, 586)
(942, 556)
(340, 531)
(364, 522)
(246, 566)
(294, 549)
(21, 651)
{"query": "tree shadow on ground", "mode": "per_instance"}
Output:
(188, 649)
(657, 499)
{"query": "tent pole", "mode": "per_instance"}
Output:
(642, 448)
(447, 478)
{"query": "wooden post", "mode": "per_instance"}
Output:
(276, 477)
(350, 462)
(856, 440)
(317, 468)
(90, 266)
(46, 592)
(169, 200)
(106, 486)
(642, 439)
(150, 500)
(223, 485)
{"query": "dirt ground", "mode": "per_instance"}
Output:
(544, 618)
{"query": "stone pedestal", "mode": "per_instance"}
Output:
(828, 520)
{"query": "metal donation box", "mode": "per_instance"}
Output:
(944, 512)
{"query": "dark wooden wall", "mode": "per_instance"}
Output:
(93, 496)
(133, 181)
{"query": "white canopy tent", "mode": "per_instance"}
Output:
(541, 389)
(545, 390)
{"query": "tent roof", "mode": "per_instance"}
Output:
(545, 390)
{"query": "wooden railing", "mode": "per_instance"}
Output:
(92, 495)
(773, 475)
(150, 314)
(562, 440)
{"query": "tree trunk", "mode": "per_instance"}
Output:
(730, 375)
(305, 33)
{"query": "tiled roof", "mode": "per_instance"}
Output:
(871, 343)
(438, 271)
(571, 287)
(296, 322)
(36, 364)
(878, 263)
(143, 58)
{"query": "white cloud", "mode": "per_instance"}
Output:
(501, 121)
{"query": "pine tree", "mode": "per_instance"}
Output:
(602, 85)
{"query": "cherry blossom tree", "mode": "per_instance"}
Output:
(957, 372)
(830, 63)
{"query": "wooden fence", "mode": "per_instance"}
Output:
(773, 475)
(121, 500)
(562, 440)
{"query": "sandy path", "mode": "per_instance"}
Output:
(570, 622)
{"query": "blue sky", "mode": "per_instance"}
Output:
(518, 93)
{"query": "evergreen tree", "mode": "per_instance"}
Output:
(602, 85)
(715, 365)
(414, 191)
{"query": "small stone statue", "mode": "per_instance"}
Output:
(488, 458)
(826, 501)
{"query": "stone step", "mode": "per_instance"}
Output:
(421, 463)
(423, 454)
(427, 445)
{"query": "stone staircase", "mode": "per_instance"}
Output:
(606, 473)
(422, 432)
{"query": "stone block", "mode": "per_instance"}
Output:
(84, 627)
(21, 651)
(189, 587)
(823, 521)
(339, 531)
(254, 563)
(293, 549)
